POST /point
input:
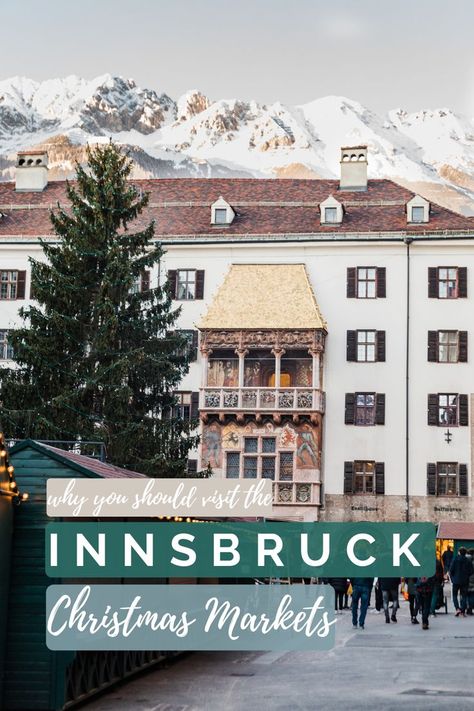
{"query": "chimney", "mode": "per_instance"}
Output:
(31, 171)
(353, 168)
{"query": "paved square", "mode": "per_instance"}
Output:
(396, 666)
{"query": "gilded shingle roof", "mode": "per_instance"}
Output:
(254, 296)
(263, 206)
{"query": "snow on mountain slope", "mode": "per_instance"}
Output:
(198, 136)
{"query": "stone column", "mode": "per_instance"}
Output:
(241, 352)
(205, 354)
(316, 355)
(278, 353)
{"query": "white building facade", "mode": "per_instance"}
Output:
(333, 329)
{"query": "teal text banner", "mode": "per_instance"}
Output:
(156, 549)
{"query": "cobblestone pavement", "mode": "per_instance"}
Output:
(396, 666)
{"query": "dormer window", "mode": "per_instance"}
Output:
(330, 214)
(332, 211)
(417, 214)
(418, 210)
(221, 213)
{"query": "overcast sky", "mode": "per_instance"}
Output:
(383, 53)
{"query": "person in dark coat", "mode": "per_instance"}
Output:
(340, 587)
(438, 587)
(424, 591)
(389, 587)
(412, 599)
(361, 588)
(447, 559)
(460, 572)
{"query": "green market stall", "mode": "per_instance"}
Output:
(34, 677)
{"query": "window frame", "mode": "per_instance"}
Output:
(220, 211)
(260, 455)
(330, 210)
(456, 477)
(418, 208)
(365, 421)
(448, 407)
(367, 282)
(449, 346)
(187, 283)
(180, 395)
(6, 350)
(10, 284)
(366, 344)
(446, 280)
(364, 473)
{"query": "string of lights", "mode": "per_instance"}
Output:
(5, 465)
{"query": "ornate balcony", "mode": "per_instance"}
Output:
(265, 399)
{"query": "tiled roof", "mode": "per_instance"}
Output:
(457, 530)
(264, 296)
(264, 206)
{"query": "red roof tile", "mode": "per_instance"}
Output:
(457, 530)
(269, 206)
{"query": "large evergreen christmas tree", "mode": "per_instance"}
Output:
(97, 358)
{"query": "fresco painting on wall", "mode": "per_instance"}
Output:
(252, 374)
(230, 436)
(306, 448)
(212, 446)
(288, 437)
(223, 373)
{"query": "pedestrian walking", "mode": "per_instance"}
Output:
(437, 595)
(447, 559)
(389, 587)
(412, 599)
(460, 573)
(424, 591)
(470, 585)
(340, 587)
(378, 597)
(361, 588)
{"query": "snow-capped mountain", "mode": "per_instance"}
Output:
(429, 151)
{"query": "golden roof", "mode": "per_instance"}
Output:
(264, 296)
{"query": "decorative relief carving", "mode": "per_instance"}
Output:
(272, 338)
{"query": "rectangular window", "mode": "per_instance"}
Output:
(250, 467)
(363, 482)
(366, 346)
(447, 282)
(250, 445)
(182, 408)
(232, 470)
(220, 216)
(366, 282)
(330, 214)
(448, 346)
(365, 409)
(186, 284)
(268, 445)
(8, 285)
(417, 214)
(447, 479)
(286, 466)
(6, 351)
(447, 410)
(268, 467)
(192, 347)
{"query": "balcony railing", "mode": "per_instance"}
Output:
(255, 399)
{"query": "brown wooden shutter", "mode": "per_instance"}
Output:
(431, 479)
(351, 283)
(351, 345)
(20, 285)
(194, 406)
(145, 280)
(433, 404)
(381, 283)
(463, 410)
(194, 347)
(462, 347)
(380, 409)
(462, 282)
(379, 477)
(192, 467)
(348, 476)
(380, 338)
(172, 282)
(200, 284)
(432, 346)
(433, 291)
(463, 487)
(349, 413)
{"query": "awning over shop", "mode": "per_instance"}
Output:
(456, 530)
